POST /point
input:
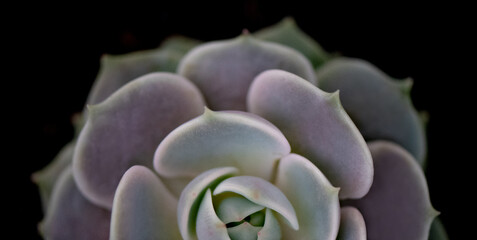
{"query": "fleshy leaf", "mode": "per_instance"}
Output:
(262, 193)
(209, 226)
(125, 130)
(71, 216)
(317, 127)
(352, 226)
(116, 71)
(235, 209)
(379, 106)
(179, 44)
(314, 198)
(271, 228)
(143, 208)
(218, 139)
(192, 196)
(437, 232)
(47, 177)
(223, 70)
(244, 231)
(397, 205)
(288, 33)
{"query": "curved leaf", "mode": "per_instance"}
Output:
(317, 127)
(271, 228)
(192, 196)
(288, 33)
(397, 205)
(244, 231)
(47, 177)
(218, 139)
(117, 70)
(143, 208)
(223, 70)
(209, 226)
(126, 129)
(72, 216)
(352, 226)
(380, 106)
(262, 193)
(314, 198)
(235, 209)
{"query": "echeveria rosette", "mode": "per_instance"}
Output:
(275, 158)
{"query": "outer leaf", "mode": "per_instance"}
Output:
(437, 232)
(218, 139)
(48, 176)
(71, 216)
(223, 70)
(317, 127)
(314, 198)
(192, 196)
(288, 33)
(352, 226)
(179, 43)
(397, 205)
(271, 229)
(125, 130)
(262, 193)
(143, 208)
(117, 71)
(380, 106)
(209, 226)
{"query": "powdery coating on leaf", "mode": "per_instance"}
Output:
(317, 128)
(315, 200)
(71, 216)
(223, 70)
(47, 177)
(262, 193)
(126, 129)
(219, 139)
(288, 33)
(209, 226)
(116, 71)
(143, 208)
(271, 228)
(397, 205)
(380, 106)
(352, 226)
(192, 196)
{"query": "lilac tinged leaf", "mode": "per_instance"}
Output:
(72, 216)
(219, 139)
(143, 208)
(380, 106)
(116, 71)
(288, 33)
(47, 177)
(314, 198)
(317, 127)
(223, 70)
(192, 196)
(397, 205)
(126, 129)
(209, 226)
(262, 193)
(352, 226)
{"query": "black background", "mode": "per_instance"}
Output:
(54, 56)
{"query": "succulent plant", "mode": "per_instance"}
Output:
(265, 136)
